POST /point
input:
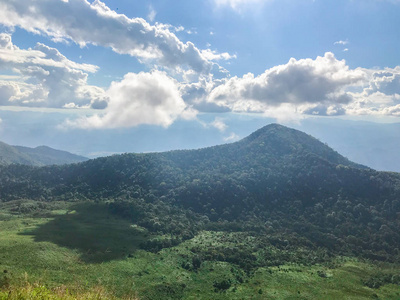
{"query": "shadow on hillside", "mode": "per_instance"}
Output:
(93, 231)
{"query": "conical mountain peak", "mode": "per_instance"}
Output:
(281, 140)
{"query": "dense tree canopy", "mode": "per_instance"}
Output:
(278, 183)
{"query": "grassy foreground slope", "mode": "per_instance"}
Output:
(85, 252)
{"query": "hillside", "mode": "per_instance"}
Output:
(272, 155)
(277, 197)
(276, 176)
(39, 156)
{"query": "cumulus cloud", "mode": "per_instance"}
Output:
(144, 98)
(196, 93)
(386, 81)
(94, 23)
(380, 97)
(19, 93)
(324, 86)
(45, 78)
(306, 81)
(377, 104)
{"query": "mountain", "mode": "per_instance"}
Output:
(39, 156)
(281, 185)
(43, 156)
(11, 155)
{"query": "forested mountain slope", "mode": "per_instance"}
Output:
(278, 181)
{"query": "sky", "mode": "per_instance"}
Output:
(103, 77)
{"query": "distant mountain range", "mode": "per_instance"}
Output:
(39, 156)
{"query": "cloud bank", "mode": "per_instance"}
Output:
(183, 80)
(305, 81)
(46, 78)
(323, 86)
(94, 23)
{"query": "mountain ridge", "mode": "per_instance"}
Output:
(38, 156)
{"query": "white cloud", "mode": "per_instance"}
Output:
(324, 86)
(94, 23)
(214, 55)
(10, 77)
(196, 93)
(20, 93)
(382, 95)
(232, 137)
(45, 78)
(386, 81)
(341, 42)
(299, 82)
(144, 98)
(152, 14)
(219, 124)
(376, 104)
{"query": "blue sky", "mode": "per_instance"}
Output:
(102, 77)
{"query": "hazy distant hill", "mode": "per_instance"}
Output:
(10, 155)
(39, 156)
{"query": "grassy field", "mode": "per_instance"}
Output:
(80, 251)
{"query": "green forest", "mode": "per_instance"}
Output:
(276, 215)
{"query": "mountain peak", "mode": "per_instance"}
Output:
(43, 147)
(273, 128)
(282, 140)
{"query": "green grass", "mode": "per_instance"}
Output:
(84, 250)
(40, 292)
